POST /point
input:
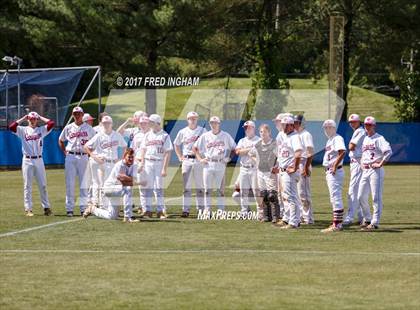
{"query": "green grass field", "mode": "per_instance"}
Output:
(189, 264)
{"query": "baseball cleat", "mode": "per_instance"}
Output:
(140, 211)
(29, 213)
(47, 212)
(130, 220)
(161, 215)
(369, 228)
(69, 213)
(281, 223)
(364, 224)
(147, 214)
(185, 214)
(289, 226)
(88, 211)
(332, 229)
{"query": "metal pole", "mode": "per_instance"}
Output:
(53, 69)
(7, 97)
(99, 90)
(18, 89)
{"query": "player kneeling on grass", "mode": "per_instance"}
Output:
(334, 173)
(32, 163)
(103, 152)
(376, 152)
(118, 185)
(265, 154)
(154, 159)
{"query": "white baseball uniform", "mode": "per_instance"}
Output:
(32, 163)
(291, 144)
(136, 146)
(76, 162)
(114, 190)
(247, 173)
(156, 145)
(335, 181)
(375, 148)
(130, 133)
(105, 147)
(283, 204)
(192, 169)
(216, 148)
(98, 128)
(304, 183)
(355, 176)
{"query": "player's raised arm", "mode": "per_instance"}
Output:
(120, 129)
(13, 126)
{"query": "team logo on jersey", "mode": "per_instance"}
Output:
(78, 134)
(191, 139)
(32, 137)
(369, 147)
(154, 142)
(215, 144)
(110, 144)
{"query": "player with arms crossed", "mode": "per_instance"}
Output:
(334, 173)
(154, 159)
(76, 134)
(213, 149)
(32, 163)
(355, 154)
(118, 184)
(248, 170)
(376, 152)
(305, 169)
(289, 160)
(103, 151)
(192, 169)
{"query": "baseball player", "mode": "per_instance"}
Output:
(376, 152)
(136, 145)
(76, 134)
(334, 173)
(118, 184)
(192, 169)
(88, 119)
(103, 152)
(248, 170)
(213, 149)
(290, 156)
(32, 163)
(129, 133)
(355, 154)
(264, 153)
(305, 168)
(154, 159)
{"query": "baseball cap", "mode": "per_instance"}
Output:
(192, 114)
(249, 124)
(329, 123)
(144, 119)
(299, 118)
(370, 120)
(87, 117)
(287, 120)
(354, 118)
(214, 119)
(107, 119)
(33, 115)
(155, 118)
(77, 110)
(279, 117)
(138, 114)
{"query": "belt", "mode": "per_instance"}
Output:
(190, 156)
(153, 159)
(328, 168)
(248, 166)
(33, 157)
(215, 160)
(77, 153)
(110, 161)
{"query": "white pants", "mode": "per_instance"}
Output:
(290, 196)
(192, 170)
(112, 202)
(248, 181)
(372, 181)
(352, 201)
(267, 181)
(100, 173)
(76, 165)
(213, 174)
(34, 168)
(335, 187)
(305, 198)
(154, 186)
